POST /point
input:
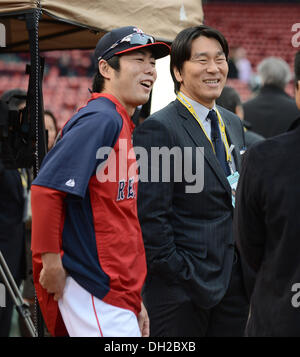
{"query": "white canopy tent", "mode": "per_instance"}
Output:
(76, 24)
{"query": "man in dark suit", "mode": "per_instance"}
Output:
(267, 228)
(272, 111)
(230, 99)
(194, 284)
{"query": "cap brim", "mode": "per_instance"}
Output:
(159, 49)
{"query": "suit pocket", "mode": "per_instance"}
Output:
(192, 245)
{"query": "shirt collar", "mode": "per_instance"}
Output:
(200, 109)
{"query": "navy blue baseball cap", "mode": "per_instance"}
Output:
(125, 39)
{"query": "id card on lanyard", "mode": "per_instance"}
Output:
(233, 179)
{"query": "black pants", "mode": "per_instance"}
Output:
(227, 318)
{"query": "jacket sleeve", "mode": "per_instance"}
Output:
(47, 219)
(47, 223)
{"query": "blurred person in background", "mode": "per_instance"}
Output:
(239, 65)
(230, 100)
(272, 111)
(14, 186)
(243, 65)
(50, 127)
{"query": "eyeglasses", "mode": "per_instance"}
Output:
(133, 39)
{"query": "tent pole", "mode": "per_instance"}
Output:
(36, 113)
(36, 110)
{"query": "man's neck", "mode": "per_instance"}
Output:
(192, 101)
(128, 107)
(209, 105)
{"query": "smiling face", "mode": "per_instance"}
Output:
(204, 75)
(133, 83)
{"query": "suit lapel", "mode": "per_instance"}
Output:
(194, 130)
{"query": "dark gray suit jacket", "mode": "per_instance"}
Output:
(267, 228)
(188, 236)
(271, 112)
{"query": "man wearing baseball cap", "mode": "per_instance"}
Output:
(88, 254)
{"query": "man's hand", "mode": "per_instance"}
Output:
(144, 323)
(53, 275)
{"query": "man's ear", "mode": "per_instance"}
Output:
(104, 69)
(177, 75)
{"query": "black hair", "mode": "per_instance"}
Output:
(229, 99)
(98, 81)
(297, 68)
(182, 46)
